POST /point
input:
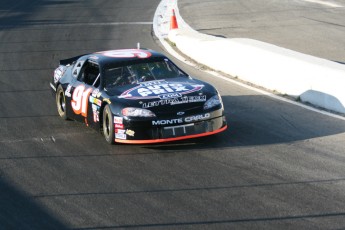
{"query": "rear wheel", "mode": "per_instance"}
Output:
(61, 102)
(108, 125)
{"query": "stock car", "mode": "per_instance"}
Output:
(136, 96)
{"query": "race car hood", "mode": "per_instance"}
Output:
(165, 97)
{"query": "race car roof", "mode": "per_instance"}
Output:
(117, 56)
(124, 55)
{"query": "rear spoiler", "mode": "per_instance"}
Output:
(70, 60)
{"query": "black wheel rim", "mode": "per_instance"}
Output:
(61, 103)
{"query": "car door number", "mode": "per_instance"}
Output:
(80, 100)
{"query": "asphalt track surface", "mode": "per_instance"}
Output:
(278, 166)
(312, 27)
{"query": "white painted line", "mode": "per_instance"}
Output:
(325, 3)
(78, 24)
(115, 23)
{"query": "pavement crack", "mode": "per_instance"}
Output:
(325, 22)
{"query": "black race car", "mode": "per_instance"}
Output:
(136, 96)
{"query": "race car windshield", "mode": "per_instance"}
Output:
(136, 73)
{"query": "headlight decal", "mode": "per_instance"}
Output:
(137, 112)
(213, 102)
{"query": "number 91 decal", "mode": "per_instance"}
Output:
(80, 100)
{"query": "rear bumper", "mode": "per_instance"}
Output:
(150, 135)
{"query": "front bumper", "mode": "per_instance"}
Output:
(158, 133)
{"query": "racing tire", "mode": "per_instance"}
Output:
(108, 125)
(61, 103)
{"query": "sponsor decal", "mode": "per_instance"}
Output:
(95, 101)
(118, 120)
(170, 95)
(130, 132)
(120, 136)
(197, 117)
(160, 89)
(119, 126)
(127, 53)
(95, 107)
(68, 91)
(175, 101)
(189, 119)
(168, 122)
(197, 99)
(95, 110)
(120, 131)
(80, 100)
(93, 57)
(95, 116)
(58, 74)
(95, 92)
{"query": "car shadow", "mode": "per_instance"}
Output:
(19, 211)
(255, 120)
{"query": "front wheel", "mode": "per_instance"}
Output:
(108, 125)
(61, 102)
